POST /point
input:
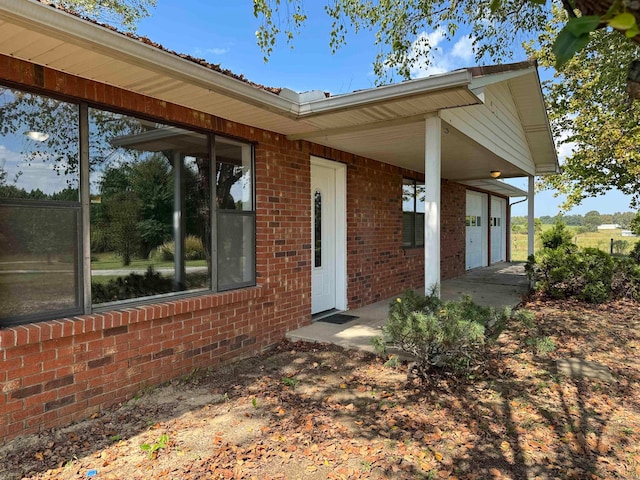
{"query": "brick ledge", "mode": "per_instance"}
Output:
(66, 327)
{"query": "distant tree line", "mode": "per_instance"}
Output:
(589, 221)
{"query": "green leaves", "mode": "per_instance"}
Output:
(574, 37)
(622, 21)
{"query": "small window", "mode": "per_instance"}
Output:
(413, 206)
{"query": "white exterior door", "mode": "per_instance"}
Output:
(324, 238)
(476, 226)
(498, 230)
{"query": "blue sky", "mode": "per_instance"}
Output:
(224, 33)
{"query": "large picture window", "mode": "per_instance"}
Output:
(412, 213)
(167, 211)
(150, 208)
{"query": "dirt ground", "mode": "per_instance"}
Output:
(314, 411)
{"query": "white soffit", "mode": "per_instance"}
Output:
(47, 36)
(352, 122)
(496, 186)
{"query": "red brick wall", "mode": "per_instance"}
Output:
(378, 267)
(63, 370)
(452, 229)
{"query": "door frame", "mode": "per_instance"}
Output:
(484, 230)
(502, 202)
(340, 170)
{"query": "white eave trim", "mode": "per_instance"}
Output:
(498, 187)
(491, 78)
(66, 27)
(410, 88)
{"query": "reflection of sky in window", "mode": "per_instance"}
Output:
(31, 164)
(38, 173)
(241, 190)
(408, 198)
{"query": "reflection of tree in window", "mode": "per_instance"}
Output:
(39, 204)
(413, 205)
(227, 175)
(135, 164)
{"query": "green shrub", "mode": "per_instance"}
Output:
(542, 345)
(133, 285)
(439, 335)
(553, 271)
(620, 246)
(556, 236)
(596, 273)
(626, 279)
(635, 253)
(193, 250)
(568, 272)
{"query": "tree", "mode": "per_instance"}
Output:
(123, 210)
(399, 25)
(592, 220)
(588, 100)
(590, 111)
(635, 224)
(119, 13)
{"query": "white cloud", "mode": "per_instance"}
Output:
(205, 52)
(463, 49)
(439, 59)
(565, 150)
(39, 174)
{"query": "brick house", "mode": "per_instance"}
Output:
(257, 207)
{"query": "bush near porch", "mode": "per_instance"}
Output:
(561, 269)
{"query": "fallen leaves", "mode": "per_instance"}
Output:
(348, 417)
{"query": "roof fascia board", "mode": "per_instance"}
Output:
(492, 78)
(421, 86)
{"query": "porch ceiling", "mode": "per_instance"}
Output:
(385, 123)
(403, 145)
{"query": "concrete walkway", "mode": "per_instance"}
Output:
(499, 285)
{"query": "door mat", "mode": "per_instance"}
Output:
(338, 318)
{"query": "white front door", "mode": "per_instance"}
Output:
(476, 245)
(323, 234)
(498, 230)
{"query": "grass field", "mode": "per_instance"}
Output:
(600, 240)
(110, 261)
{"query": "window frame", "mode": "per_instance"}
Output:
(414, 214)
(83, 205)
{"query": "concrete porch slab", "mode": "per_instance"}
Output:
(499, 285)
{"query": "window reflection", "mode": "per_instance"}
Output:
(39, 206)
(150, 215)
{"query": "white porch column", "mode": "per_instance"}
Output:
(432, 161)
(530, 215)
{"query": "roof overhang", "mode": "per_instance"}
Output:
(496, 186)
(384, 123)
